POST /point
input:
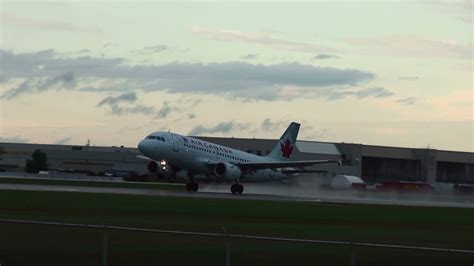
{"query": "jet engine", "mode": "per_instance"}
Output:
(227, 171)
(152, 167)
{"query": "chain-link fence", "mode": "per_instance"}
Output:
(51, 243)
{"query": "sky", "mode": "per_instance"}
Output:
(392, 73)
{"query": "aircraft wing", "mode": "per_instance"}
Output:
(274, 165)
(301, 171)
(251, 166)
(144, 158)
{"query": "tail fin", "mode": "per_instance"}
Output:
(284, 148)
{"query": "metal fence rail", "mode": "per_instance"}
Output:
(225, 235)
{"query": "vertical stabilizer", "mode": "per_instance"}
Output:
(284, 148)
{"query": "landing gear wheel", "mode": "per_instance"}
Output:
(233, 188)
(237, 189)
(192, 186)
(240, 189)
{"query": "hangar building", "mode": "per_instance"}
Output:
(373, 163)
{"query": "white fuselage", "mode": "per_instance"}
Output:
(195, 155)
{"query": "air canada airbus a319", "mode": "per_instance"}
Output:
(197, 157)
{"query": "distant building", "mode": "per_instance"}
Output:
(73, 157)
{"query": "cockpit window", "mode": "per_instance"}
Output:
(160, 138)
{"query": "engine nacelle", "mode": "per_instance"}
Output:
(227, 171)
(152, 167)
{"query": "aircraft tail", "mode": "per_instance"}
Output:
(284, 148)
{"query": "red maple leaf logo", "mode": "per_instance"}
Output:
(286, 148)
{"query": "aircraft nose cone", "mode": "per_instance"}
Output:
(141, 146)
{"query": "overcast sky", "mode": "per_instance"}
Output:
(394, 73)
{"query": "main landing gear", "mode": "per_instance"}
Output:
(191, 186)
(237, 188)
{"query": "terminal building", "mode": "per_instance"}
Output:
(374, 164)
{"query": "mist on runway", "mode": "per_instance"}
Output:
(315, 188)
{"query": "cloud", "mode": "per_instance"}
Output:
(236, 79)
(157, 48)
(344, 92)
(120, 105)
(413, 46)
(165, 110)
(45, 24)
(326, 56)
(137, 109)
(407, 101)
(75, 53)
(377, 92)
(63, 141)
(223, 127)
(467, 19)
(460, 10)
(249, 56)
(37, 85)
(114, 102)
(259, 38)
(239, 78)
(316, 134)
(48, 63)
(409, 78)
(15, 139)
(126, 97)
(269, 125)
(153, 49)
(191, 116)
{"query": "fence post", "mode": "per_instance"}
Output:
(104, 246)
(227, 247)
(352, 258)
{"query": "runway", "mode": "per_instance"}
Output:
(319, 197)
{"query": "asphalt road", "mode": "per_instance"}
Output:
(276, 193)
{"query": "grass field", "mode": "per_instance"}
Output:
(85, 183)
(49, 245)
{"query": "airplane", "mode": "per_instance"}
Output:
(178, 152)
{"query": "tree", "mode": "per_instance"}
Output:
(38, 163)
(2, 152)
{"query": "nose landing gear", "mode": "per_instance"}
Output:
(237, 188)
(191, 186)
